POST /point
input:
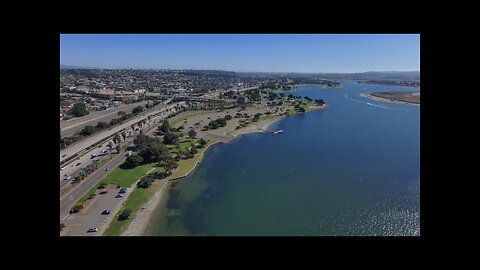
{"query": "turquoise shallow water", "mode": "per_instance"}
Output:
(352, 169)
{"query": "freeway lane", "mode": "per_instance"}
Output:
(92, 116)
(77, 147)
(106, 117)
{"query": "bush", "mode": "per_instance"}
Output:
(76, 208)
(102, 186)
(62, 225)
(125, 214)
(146, 181)
(138, 109)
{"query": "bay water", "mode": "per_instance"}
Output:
(352, 169)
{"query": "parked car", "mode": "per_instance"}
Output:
(78, 164)
(119, 196)
(62, 168)
(106, 212)
(104, 192)
(106, 169)
(92, 230)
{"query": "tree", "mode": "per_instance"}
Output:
(102, 125)
(118, 148)
(133, 161)
(126, 214)
(79, 110)
(192, 133)
(301, 109)
(202, 141)
(170, 138)
(141, 140)
(117, 138)
(124, 136)
(138, 109)
(169, 164)
(228, 117)
(164, 128)
(88, 130)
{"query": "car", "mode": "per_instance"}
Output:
(106, 169)
(62, 168)
(64, 155)
(78, 164)
(119, 196)
(92, 230)
(104, 192)
(106, 212)
(99, 146)
(67, 177)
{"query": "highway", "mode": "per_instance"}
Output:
(81, 145)
(70, 127)
(67, 201)
(76, 194)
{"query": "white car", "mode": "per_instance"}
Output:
(62, 168)
(67, 177)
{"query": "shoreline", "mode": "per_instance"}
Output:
(368, 95)
(143, 217)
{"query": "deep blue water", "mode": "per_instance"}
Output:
(351, 169)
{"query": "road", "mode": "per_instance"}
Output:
(69, 127)
(81, 145)
(86, 184)
(78, 224)
(77, 193)
(101, 152)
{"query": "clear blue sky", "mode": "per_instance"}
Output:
(266, 52)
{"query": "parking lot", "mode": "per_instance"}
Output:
(79, 223)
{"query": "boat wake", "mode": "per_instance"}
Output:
(370, 104)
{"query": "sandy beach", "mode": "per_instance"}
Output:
(369, 95)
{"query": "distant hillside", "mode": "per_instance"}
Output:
(73, 67)
(374, 75)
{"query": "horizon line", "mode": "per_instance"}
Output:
(314, 72)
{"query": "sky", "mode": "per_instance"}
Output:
(316, 53)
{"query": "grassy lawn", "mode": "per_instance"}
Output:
(140, 196)
(135, 201)
(282, 90)
(187, 144)
(185, 165)
(122, 177)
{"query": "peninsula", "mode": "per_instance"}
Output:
(395, 97)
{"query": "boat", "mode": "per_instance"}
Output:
(278, 131)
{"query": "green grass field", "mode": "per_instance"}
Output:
(135, 201)
(122, 177)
